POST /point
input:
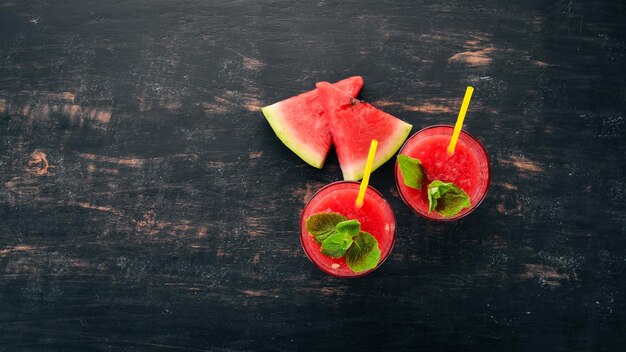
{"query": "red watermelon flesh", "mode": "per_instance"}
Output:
(301, 125)
(353, 125)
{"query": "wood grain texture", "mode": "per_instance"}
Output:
(146, 205)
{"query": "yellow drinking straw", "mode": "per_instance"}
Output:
(366, 173)
(459, 120)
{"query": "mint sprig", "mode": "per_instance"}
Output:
(446, 198)
(342, 237)
(412, 171)
(337, 244)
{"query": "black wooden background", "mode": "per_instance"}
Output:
(146, 204)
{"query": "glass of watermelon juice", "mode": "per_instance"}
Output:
(376, 217)
(468, 168)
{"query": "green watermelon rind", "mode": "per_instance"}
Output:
(402, 130)
(275, 119)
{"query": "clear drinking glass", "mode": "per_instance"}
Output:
(376, 217)
(468, 168)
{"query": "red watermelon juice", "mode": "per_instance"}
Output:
(468, 168)
(375, 216)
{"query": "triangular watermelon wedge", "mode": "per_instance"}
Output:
(300, 123)
(353, 125)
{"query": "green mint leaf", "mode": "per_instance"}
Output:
(323, 225)
(446, 198)
(364, 253)
(350, 227)
(412, 171)
(338, 243)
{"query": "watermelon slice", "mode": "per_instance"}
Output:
(353, 125)
(300, 123)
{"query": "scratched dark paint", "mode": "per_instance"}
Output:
(146, 205)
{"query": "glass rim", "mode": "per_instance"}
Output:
(380, 262)
(474, 206)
